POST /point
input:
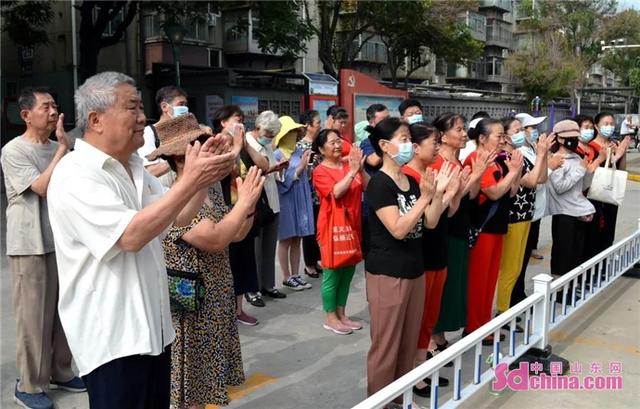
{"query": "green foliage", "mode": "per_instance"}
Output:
(544, 70)
(634, 76)
(179, 11)
(622, 61)
(281, 28)
(411, 28)
(25, 21)
(570, 32)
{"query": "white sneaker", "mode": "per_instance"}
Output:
(304, 284)
(293, 284)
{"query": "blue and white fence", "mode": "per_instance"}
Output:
(540, 312)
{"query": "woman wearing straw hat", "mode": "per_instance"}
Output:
(296, 207)
(206, 354)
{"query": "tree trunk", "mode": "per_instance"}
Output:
(89, 44)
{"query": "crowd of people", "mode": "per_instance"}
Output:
(134, 253)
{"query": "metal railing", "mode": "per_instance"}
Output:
(552, 302)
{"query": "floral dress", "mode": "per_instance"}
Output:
(205, 357)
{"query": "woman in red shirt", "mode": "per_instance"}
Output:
(499, 183)
(604, 222)
(345, 181)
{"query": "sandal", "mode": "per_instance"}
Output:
(442, 347)
(311, 272)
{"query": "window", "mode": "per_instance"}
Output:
(263, 105)
(215, 58)
(197, 31)
(113, 24)
(254, 27)
(152, 26)
(235, 29)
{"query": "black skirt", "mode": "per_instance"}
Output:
(242, 257)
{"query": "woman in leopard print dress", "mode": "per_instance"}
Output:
(206, 356)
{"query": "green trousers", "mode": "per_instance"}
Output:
(335, 287)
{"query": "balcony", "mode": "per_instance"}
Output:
(472, 71)
(498, 78)
(496, 70)
(372, 52)
(238, 35)
(477, 24)
(499, 34)
(502, 5)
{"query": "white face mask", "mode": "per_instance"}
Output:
(180, 110)
(415, 118)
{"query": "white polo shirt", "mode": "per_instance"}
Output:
(112, 303)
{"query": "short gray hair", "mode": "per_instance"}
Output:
(268, 122)
(97, 94)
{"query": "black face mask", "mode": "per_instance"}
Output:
(571, 143)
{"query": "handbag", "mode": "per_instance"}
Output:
(264, 214)
(474, 232)
(339, 243)
(186, 290)
(608, 184)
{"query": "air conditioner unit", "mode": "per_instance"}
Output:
(212, 19)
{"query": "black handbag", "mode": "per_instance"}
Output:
(186, 290)
(474, 232)
(264, 214)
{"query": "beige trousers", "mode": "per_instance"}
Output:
(42, 349)
(395, 311)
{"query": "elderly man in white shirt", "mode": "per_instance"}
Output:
(106, 214)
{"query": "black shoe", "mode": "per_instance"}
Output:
(311, 272)
(441, 381)
(442, 347)
(273, 293)
(431, 355)
(507, 327)
(423, 393)
(488, 341)
(254, 299)
(318, 269)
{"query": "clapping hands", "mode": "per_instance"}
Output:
(250, 188)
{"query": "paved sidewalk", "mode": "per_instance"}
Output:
(292, 362)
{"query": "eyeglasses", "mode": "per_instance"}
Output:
(334, 142)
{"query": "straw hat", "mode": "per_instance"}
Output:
(287, 124)
(175, 134)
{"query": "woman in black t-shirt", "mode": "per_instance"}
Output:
(520, 209)
(426, 143)
(394, 265)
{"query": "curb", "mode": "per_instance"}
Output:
(634, 177)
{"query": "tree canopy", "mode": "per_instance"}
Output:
(25, 22)
(414, 30)
(568, 35)
(623, 62)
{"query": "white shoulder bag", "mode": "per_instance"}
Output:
(609, 184)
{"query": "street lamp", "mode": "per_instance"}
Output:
(175, 32)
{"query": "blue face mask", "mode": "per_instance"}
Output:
(534, 135)
(264, 141)
(413, 119)
(405, 153)
(586, 135)
(607, 130)
(180, 110)
(517, 140)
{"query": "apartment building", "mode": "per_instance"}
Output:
(493, 25)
